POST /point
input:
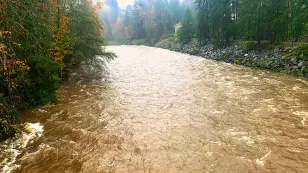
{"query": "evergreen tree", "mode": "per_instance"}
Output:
(272, 20)
(203, 27)
(219, 21)
(137, 20)
(188, 27)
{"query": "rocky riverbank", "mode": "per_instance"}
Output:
(291, 59)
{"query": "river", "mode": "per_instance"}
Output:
(162, 111)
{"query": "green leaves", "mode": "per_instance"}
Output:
(44, 81)
(30, 71)
(272, 20)
(8, 114)
(84, 25)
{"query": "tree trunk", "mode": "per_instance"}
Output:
(59, 14)
(236, 23)
(259, 20)
(4, 62)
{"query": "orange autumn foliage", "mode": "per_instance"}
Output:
(95, 9)
(60, 46)
(12, 68)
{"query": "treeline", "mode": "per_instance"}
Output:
(144, 22)
(39, 42)
(272, 20)
(218, 21)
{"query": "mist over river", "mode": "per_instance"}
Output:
(162, 111)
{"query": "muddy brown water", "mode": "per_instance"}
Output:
(162, 111)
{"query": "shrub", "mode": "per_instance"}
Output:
(219, 42)
(8, 115)
(249, 45)
(303, 50)
(44, 81)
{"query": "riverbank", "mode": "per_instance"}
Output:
(179, 112)
(286, 58)
(28, 127)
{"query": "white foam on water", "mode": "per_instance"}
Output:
(13, 147)
(262, 159)
(304, 120)
(245, 159)
(240, 136)
(42, 111)
(216, 142)
(305, 117)
(295, 88)
(273, 108)
(248, 140)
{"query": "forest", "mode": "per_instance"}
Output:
(40, 41)
(218, 21)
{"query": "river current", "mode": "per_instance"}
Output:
(162, 111)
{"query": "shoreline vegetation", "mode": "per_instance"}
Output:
(41, 42)
(287, 57)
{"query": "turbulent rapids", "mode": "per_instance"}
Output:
(162, 111)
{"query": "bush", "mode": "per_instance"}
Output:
(6, 130)
(249, 45)
(219, 42)
(44, 81)
(173, 40)
(303, 50)
(8, 115)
